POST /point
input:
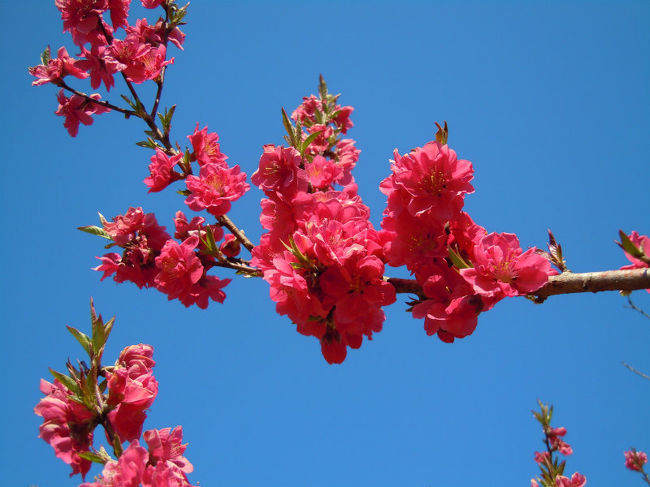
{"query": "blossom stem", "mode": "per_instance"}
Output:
(241, 267)
(239, 235)
(103, 103)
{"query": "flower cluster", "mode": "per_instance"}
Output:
(67, 425)
(551, 469)
(635, 460)
(140, 56)
(116, 398)
(321, 255)
(161, 464)
(151, 258)
(461, 268)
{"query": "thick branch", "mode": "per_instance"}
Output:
(565, 283)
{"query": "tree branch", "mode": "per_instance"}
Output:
(565, 283)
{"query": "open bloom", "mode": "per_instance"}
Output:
(162, 171)
(501, 268)
(78, 109)
(215, 187)
(57, 68)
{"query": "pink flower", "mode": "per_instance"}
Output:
(138, 61)
(558, 443)
(67, 425)
(179, 267)
(126, 472)
(576, 480)
(119, 12)
(542, 457)
(99, 70)
(152, 3)
(429, 180)
(502, 269)
(165, 446)
(78, 109)
(279, 172)
(230, 247)
(162, 171)
(342, 119)
(83, 19)
(206, 147)
(131, 390)
(322, 172)
(57, 69)
(215, 188)
(635, 460)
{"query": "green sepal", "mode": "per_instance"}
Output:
(95, 230)
(83, 339)
(457, 260)
(442, 134)
(629, 247)
(67, 382)
(46, 55)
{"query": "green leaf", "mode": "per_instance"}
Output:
(102, 219)
(95, 230)
(46, 55)
(289, 128)
(184, 192)
(93, 457)
(310, 138)
(129, 101)
(83, 339)
(322, 87)
(67, 382)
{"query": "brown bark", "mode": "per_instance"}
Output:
(565, 283)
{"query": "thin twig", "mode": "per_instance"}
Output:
(239, 235)
(636, 308)
(103, 103)
(637, 372)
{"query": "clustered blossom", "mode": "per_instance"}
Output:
(462, 269)
(67, 425)
(132, 389)
(120, 404)
(151, 258)
(635, 460)
(161, 465)
(141, 56)
(321, 255)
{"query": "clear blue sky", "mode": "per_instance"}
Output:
(551, 103)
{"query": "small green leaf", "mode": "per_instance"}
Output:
(93, 457)
(83, 339)
(310, 138)
(46, 55)
(129, 101)
(322, 87)
(184, 192)
(102, 219)
(95, 230)
(289, 128)
(67, 382)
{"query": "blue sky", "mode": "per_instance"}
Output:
(550, 102)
